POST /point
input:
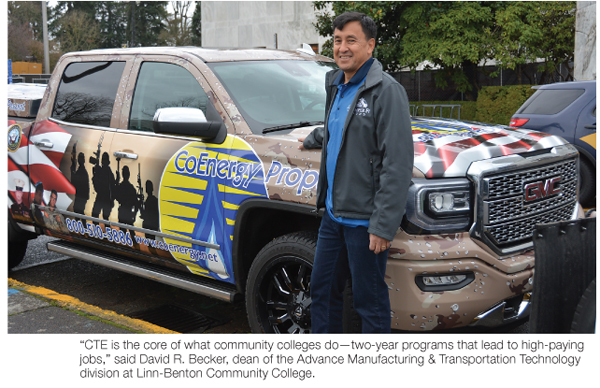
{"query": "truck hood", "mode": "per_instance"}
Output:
(446, 148)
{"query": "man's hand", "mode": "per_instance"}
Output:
(301, 140)
(378, 244)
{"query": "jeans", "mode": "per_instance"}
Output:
(343, 252)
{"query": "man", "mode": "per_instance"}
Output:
(366, 168)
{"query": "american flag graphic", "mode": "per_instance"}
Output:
(446, 148)
(42, 165)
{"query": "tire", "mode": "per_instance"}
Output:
(584, 320)
(587, 177)
(17, 247)
(278, 289)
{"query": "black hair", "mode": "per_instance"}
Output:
(368, 25)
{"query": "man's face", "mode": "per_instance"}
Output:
(52, 200)
(351, 49)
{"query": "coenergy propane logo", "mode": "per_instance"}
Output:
(201, 189)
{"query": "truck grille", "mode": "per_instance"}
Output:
(510, 214)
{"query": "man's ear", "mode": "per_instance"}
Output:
(371, 45)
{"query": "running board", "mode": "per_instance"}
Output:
(186, 282)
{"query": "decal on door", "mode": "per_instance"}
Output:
(201, 190)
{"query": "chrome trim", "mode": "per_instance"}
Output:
(44, 144)
(480, 170)
(126, 155)
(60, 122)
(162, 277)
(496, 315)
(137, 229)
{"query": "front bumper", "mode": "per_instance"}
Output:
(493, 298)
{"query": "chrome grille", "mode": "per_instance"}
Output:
(508, 218)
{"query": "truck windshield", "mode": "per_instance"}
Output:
(270, 94)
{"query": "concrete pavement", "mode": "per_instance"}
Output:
(39, 310)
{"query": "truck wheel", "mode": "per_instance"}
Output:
(587, 190)
(278, 290)
(584, 320)
(17, 246)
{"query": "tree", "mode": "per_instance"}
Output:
(145, 19)
(25, 33)
(112, 18)
(78, 32)
(526, 31)
(197, 25)
(558, 45)
(179, 28)
(26, 12)
(450, 36)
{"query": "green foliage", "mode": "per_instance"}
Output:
(147, 21)
(497, 104)
(457, 36)
(197, 25)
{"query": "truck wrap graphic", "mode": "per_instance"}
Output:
(445, 148)
(201, 190)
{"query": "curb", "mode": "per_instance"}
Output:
(75, 304)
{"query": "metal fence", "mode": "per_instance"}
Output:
(420, 85)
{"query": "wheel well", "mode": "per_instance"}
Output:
(585, 155)
(259, 222)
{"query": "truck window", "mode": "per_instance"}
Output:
(163, 85)
(87, 91)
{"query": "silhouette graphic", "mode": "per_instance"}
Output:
(80, 181)
(149, 210)
(104, 183)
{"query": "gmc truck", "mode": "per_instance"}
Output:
(183, 165)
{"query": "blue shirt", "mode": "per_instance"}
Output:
(335, 125)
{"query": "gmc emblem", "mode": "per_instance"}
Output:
(539, 190)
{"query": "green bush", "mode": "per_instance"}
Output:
(497, 104)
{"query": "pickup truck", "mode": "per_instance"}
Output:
(183, 165)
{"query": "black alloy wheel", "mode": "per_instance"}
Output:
(278, 290)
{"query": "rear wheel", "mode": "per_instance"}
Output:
(278, 290)
(17, 246)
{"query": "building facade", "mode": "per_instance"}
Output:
(270, 24)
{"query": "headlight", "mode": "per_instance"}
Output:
(439, 205)
(450, 203)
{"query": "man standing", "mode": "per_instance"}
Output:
(366, 168)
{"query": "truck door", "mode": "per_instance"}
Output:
(68, 155)
(165, 196)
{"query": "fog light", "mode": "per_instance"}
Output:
(444, 282)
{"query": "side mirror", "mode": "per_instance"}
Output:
(185, 121)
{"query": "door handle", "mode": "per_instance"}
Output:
(126, 155)
(593, 126)
(44, 143)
